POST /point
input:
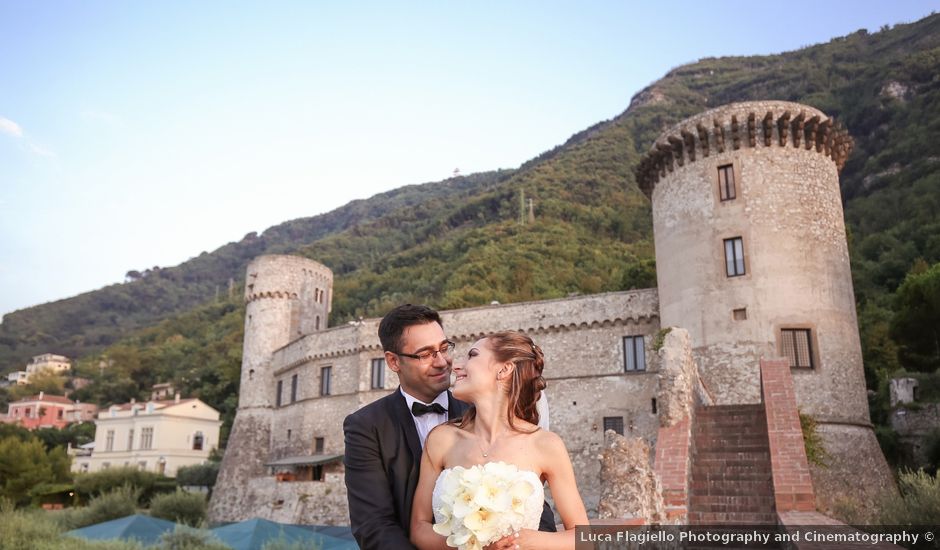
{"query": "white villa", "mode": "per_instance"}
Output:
(158, 436)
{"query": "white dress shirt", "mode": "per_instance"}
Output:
(426, 422)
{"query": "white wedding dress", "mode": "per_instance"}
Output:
(445, 493)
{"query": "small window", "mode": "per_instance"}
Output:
(130, 439)
(109, 441)
(614, 423)
(726, 182)
(797, 344)
(280, 391)
(318, 322)
(293, 388)
(146, 438)
(634, 354)
(378, 373)
(734, 256)
(740, 314)
(288, 434)
(105, 465)
(318, 445)
(654, 405)
(326, 383)
(198, 440)
(142, 465)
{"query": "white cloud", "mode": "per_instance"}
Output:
(7, 126)
(40, 150)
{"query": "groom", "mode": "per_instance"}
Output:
(384, 439)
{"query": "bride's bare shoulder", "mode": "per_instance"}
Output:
(548, 442)
(444, 432)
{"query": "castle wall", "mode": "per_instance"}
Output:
(582, 338)
(855, 474)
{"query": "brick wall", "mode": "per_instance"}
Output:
(793, 487)
(672, 467)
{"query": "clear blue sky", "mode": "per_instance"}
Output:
(135, 134)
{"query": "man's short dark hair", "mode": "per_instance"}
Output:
(397, 320)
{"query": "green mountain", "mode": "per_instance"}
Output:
(88, 322)
(467, 241)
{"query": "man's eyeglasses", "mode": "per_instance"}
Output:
(427, 356)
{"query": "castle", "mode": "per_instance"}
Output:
(752, 263)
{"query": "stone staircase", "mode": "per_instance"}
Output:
(731, 480)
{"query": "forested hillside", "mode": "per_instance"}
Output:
(88, 322)
(468, 241)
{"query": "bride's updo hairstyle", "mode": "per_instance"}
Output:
(526, 384)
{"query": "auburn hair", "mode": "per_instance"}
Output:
(526, 384)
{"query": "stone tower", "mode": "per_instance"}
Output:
(752, 259)
(286, 297)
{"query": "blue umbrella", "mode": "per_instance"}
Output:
(145, 529)
(338, 531)
(252, 534)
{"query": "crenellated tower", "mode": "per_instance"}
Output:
(286, 298)
(752, 259)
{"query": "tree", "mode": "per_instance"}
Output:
(916, 323)
(25, 464)
(46, 381)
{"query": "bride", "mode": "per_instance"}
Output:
(501, 378)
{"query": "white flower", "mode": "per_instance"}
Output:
(479, 505)
(519, 493)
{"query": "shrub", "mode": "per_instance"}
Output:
(181, 507)
(815, 451)
(890, 443)
(932, 451)
(114, 504)
(198, 475)
(148, 483)
(918, 502)
(661, 338)
(36, 530)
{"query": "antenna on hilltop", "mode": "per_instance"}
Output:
(456, 172)
(522, 207)
(526, 209)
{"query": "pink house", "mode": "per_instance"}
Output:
(48, 411)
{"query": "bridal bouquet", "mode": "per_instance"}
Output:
(479, 505)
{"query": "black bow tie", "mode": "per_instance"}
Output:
(419, 409)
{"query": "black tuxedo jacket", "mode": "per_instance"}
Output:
(383, 456)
